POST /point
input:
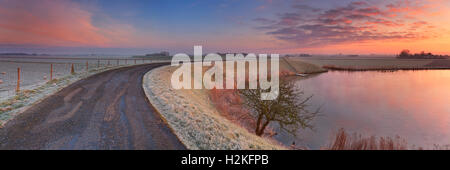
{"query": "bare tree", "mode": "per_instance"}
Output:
(289, 110)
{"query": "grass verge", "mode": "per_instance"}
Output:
(195, 120)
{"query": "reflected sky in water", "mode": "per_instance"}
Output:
(412, 104)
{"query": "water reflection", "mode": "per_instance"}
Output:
(411, 104)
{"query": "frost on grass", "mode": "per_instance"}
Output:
(195, 120)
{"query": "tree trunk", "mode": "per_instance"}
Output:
(261, 130)
(258, 123)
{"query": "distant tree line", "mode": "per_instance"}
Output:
(298, 55)
(406, 54)
(160, 54)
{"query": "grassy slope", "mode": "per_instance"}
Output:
(196, 122)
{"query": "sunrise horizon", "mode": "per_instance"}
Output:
(262, 26)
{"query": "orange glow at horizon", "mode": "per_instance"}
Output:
(67, 23)
(437, 46)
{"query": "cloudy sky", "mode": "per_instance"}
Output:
(269, 26)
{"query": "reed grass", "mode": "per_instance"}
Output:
(346, 141)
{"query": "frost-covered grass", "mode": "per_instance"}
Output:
(195, 120)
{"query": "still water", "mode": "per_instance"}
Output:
(414, 105)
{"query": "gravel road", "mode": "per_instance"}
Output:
(108, 110)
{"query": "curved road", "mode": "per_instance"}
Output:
(105, 111)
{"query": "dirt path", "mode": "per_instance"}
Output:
(105, 111)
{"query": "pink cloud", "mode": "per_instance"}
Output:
(61, 22)
(354, 22)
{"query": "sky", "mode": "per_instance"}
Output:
(256, 26)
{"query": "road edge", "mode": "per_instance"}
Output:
(145, 79)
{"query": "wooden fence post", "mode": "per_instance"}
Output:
(98, 63)
(72, 70)
(87, 66)
(51, 72)
(18, 80)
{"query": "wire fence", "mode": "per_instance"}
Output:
(22, 75)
